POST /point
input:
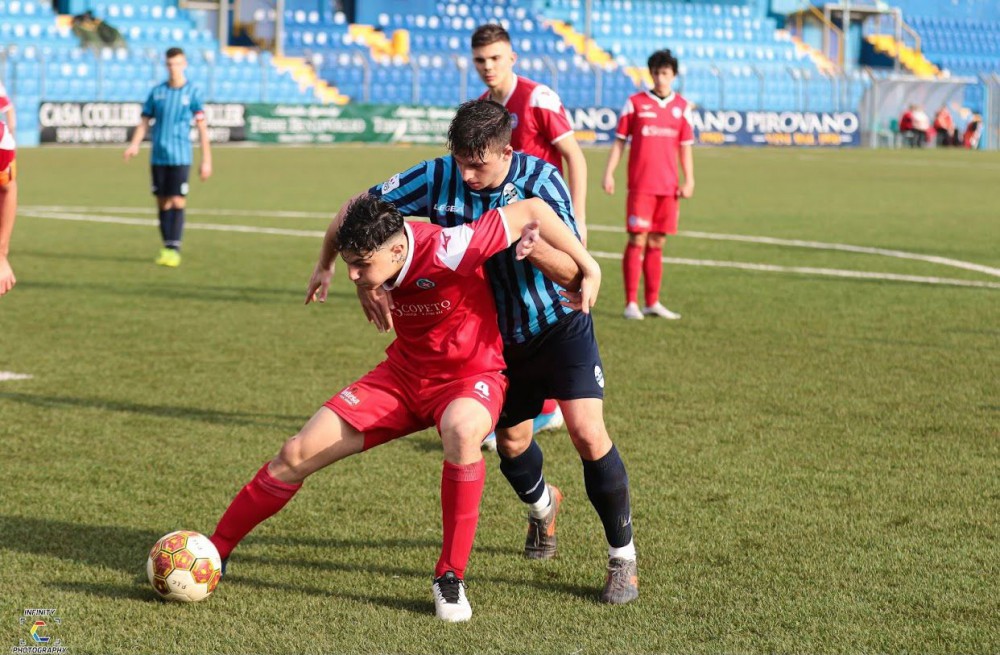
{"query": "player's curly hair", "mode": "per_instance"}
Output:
(662, 59)
(368, 224)
(479, 127)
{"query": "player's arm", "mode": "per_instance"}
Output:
(319, 283)
(687, 167)
(11, 119)
(576, 174)
(206, 149)
(614, 156)
(140, 133)
(8, 212)
(534, 218)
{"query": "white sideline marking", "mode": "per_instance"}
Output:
(10, 375)
(794, 243)
(831, 272)
(804, 270)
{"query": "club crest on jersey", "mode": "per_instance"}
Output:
(599, 376)
(513, 121)
(424, 283)
(676, 111)
(639, 222)
(390, 184)
(510, 194)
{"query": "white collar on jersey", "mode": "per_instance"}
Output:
(661, 101)
(406, 264)
(511, 94)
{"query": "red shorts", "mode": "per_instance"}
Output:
(649, 213)
(9, 175)
(388, 403)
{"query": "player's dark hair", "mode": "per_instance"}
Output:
(368, 224)
(479, 127)
(488, 34)
(662, 59)
(173, 52)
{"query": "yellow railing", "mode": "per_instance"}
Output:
(799, 21)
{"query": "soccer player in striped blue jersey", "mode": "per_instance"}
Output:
(170, 108)
(550, 350)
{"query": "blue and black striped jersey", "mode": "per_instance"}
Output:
(172, 109)
(527, 302)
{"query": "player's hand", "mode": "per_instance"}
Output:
(609, 185)
(131, 151)
(529, 238)
(586, 297)
(319, 285)
(7, 279)
(687, 189)
(206, 170)
(377, 305)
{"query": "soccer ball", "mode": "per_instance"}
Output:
(184, 566)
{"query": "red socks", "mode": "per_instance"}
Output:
(260, 499)
(461, 491)
(549, 406)
(631, 269)
(652, 270)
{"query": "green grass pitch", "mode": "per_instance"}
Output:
(813, 458)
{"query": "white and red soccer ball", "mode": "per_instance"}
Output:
(184, 566)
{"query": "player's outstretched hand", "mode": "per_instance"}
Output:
(319, 285)
(529, 237)
(131, 151)
(609, 185)
(206, 170)
(377, 305)
(7, 279)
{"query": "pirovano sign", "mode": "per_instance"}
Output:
(114, 122)
(739, 128)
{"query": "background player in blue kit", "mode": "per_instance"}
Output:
(170, 108)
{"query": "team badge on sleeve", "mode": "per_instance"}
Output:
(391, 184)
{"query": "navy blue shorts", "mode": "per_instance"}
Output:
(561, 363)
(170, 180)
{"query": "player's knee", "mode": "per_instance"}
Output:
(655, 241)
(464, 433)
(288, 464)
(591, 439)
(637, 239)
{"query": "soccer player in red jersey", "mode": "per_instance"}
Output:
(8, 205)
(443, 369)
(541, 124)
(7, 112)
(541, 129)
(658, 122)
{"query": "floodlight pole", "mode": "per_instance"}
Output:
(587, 9)
(223, 23)
(279, 28)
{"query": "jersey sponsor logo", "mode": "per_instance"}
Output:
(447, 209)
(350, 396)
(599, 376)
(412, 309)
(483, 389)
(424, 283)
(390, 184)
(513, 121)
(647, 114)
(657, 131)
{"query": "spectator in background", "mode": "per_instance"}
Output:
(913, 135)
(8, 205)
(921, 125)
(973, 131)
(944, 128)
(7, 114)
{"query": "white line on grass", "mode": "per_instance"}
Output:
(793, 243)
(831, 272)
(10, 375)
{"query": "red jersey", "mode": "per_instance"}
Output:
(658, 128)
(5, 103)
(6, 152)
(444, 314)
(539, 120)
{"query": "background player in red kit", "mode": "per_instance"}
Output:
(542, 129)
(658, 122)
(443, 369)
(8, 205)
